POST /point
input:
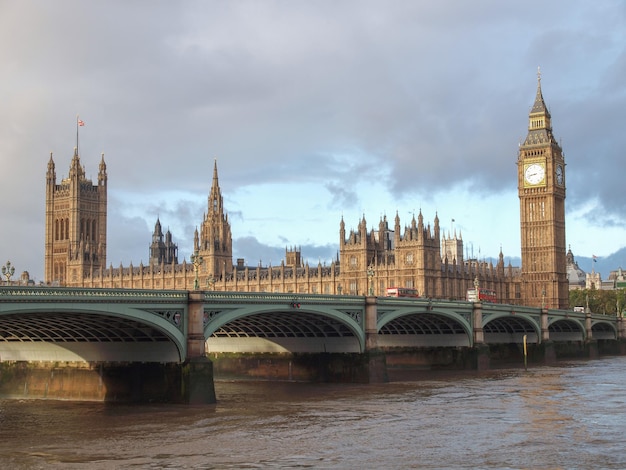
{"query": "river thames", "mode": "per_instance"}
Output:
(571, 415)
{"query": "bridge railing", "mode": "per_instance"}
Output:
(276, 297)
(37, 293)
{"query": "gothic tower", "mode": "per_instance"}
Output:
(76, 216)
(162, 251)
(452, 248)
(357, 252)
(541, 188)
(215, 244)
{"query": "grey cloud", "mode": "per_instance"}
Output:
(433, 95)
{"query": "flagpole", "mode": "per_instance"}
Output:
(77, 135)
(594, 260)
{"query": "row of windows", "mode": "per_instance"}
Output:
(536, 211)
(62, 229)
(537, 123)
(88, 229)
(409, 259)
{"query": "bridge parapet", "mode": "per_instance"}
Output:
(273, 298)
(33, 294)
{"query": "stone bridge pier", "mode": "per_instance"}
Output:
(197, 370)
(376, 360)
(476, 356)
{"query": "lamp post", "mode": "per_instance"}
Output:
(370, 278)
(8, 271)
(543, 298)
(196, 260)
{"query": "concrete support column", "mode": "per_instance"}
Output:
(371, 318)
(376, 359)
(195, 325)
(591, 344)
(545, 333)
(477, 323)
(621, 328)
(621, 334)
(482, 359)
(197, 371)
(588, 326)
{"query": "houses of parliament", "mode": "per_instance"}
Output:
(415, 254)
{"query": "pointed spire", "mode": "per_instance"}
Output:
(157, 228)
(76, 170)
(51, 173)
(215, 196)
(215, 180)
(539, 106)
(539, 121)
(102, 171)
(103, 165)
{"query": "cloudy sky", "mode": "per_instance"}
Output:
(315, 111)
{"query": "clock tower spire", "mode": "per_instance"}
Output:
(541, 188)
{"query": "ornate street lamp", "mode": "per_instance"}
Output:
(196, 260)
(8, 271)
(370, 278)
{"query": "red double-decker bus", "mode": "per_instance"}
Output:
(401, 292)
(483, 295)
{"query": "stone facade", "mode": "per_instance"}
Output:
(415, 255)
(541, 189)
(76, 217)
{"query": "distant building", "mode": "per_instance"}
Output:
(23, 280)
(576, 277)
(579, 279)
(619, 278)
(162, 251)
(616, 280)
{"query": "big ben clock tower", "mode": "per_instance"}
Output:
(541, 186)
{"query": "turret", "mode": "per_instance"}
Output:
(102, 172)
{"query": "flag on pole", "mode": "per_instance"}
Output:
(79, 123)
(595, 258)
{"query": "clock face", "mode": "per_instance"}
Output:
(534, 173)
(559, 175)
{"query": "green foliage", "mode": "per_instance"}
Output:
(608, 302)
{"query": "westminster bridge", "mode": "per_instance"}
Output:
(122, 333)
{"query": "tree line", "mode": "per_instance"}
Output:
(608, 302)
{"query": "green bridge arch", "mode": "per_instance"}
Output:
(284, 322)
(93, 325)
(242, 321)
